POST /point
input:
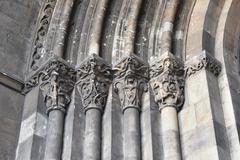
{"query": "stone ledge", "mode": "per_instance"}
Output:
(11, 82)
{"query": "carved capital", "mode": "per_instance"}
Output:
(167, 81)
(56, 79)
(131, 76)
(94, 78)
(202, 61)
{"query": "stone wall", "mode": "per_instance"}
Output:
(17, 24)
(17, 19)
(10, 120)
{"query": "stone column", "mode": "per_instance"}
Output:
(56, 82)
(167, 82)
(94, 77)
(131, 76)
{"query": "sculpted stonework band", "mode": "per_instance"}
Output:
(202, 61)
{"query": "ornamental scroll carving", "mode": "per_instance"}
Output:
(202, 61)
(56, 80)
(43, 26)
(94, 77)
(131, 76)
(167, 81)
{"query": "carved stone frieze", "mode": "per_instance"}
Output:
(41, 33)
(202, 61)
(131, 76)
(56, 80)
(167, 81)
(93, 80)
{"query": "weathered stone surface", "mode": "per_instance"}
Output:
(17, 28)
(10, 119)
(96, 122)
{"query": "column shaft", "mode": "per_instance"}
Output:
(131, 76)
(54, 135)
(92, 142)
(167, 82)
(170, 134)
(132, 134)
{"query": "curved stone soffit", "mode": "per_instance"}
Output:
(181, 29)
(89, 41)
(202, 26)
(124, 35)
(147, 26)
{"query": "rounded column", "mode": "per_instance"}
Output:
(167, 82)
(131, 76)
(170, 133)
(93, 129)
(54, 135)
(132, 134)
(56, 84)
(94, 78)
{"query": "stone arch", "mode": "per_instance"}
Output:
(226, 51)
(202, 26)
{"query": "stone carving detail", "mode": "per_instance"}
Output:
(200, 62)
(94, 77)
(41, 33)
(167, 81)
(131, 76)
(56, 80)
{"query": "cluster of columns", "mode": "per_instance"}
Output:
(130, 79)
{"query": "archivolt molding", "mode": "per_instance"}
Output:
(94, 78)
(167, 81)
(92, 28)
(41, 34)
(131, 76)
(202, 61)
